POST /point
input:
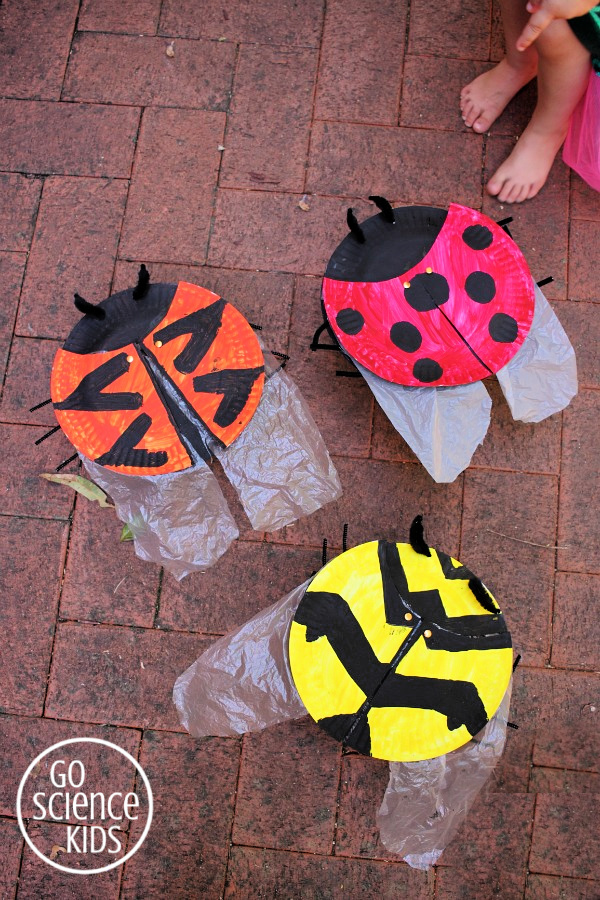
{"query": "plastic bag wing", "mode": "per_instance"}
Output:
(179, 520)
(426, 802)
(442, 426)
(243, 681)
(279, 465)
(542, 378)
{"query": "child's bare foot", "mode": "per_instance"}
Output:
(525, 171)
(482, 101)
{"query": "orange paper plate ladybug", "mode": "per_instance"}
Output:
(147, 382)
(427, 303)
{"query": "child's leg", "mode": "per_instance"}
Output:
(563, 71)
(482, 101)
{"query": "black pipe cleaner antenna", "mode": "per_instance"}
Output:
(416, 537)
(355, 227)
(96, 312)
(143, 283)
(386, 208)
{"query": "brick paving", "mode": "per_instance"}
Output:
(111, 153)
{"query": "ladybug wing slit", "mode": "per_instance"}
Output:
(234, 384)
(203, 326)
(88, 395)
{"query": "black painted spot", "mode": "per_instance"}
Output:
(477, 237)
(427, 291)
(406, 336)
(427, 370)
(480, 287)
(503, 328)
(349, 321)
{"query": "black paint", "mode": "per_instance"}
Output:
(234, 384)
(88, 393)
(123, 452)
(481, 287)
(202, 326)
(350, 321)
(406, 336)
(427, 291)
(503, 328)
(477, 237)
(427, 370)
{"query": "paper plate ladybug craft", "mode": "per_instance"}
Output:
(396, 650)
(154, 382)
(426, 303)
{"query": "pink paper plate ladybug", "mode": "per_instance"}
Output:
(425, 296)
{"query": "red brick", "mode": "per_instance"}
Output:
(342, 407)
(265, 299)
(269, 119)
(12, 268)
(567, 732)
(361, 65)
(466, 883)
(263, 22)
(495, 836)
(583, 284)
(36, 40)
(254, 874)
(563, 781)
(113, 15)
(574, 643)
(512, 773)
(11, 846)
(380, 500)
(38, 879)
(23, 492)
(544, 887)
(287, 790)
(584, 200)
(517, 446)
(170, 199)
(73, 250)
(135, 70)
(497, 42)
(563, 842)
(22, 739)
(386, 442)
(29, 608)
(579, 480)
(411, 165)
(265, 231)
(19, 198)
(503, 513)
(105, 581)
(461, 29)
(248, 579)
(582, 325)
(121, 676)
(194, 783)
(540, 226)
(362, 786)
(27, 377)
(67, 139)
(425, 77)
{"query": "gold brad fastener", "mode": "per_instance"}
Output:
(407, 284)
(427, 633)
(408, 616)
(429, 270)
(158, 343)
(130, 359)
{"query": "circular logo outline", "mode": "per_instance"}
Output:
(118, 862)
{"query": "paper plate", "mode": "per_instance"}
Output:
(393, 655)
(149, 387)
(436, 298)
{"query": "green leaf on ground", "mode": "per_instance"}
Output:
(126, 533)
(82, 486)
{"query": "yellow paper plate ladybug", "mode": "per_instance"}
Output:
(399, 651)
(150, 379)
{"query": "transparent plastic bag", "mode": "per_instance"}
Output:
(426, 802)
(443, 426)
(179, 520)
(243, 681)
(542, 378)
(581, 150)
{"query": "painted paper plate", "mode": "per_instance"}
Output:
(146, 386)
(434, 297)
(393, 654)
